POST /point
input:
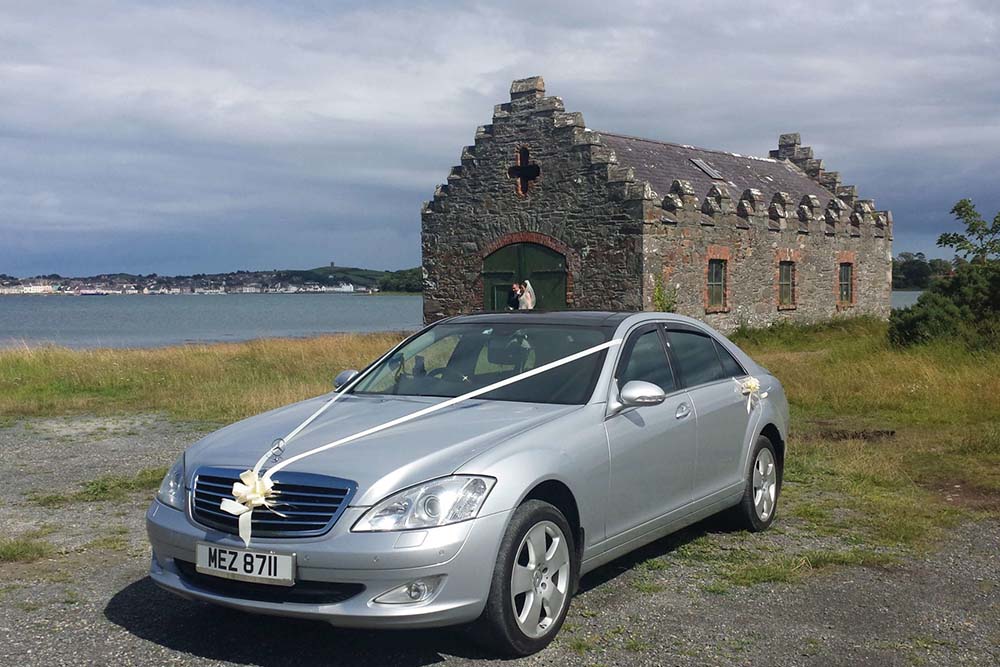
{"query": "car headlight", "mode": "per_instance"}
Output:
(435, 503)
(171, 490)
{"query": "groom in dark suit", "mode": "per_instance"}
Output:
(513, 296)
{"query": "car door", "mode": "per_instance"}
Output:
(652, 448)
(719, 406)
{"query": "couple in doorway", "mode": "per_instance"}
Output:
(521, 297)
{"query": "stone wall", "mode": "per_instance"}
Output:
(754, 236)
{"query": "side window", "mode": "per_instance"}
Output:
(730, 366)
(696, 357)
(647, 361)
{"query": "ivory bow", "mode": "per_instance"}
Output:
(750, 387)
(252, 491)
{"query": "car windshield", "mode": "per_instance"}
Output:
(453, 359)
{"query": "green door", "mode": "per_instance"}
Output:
(544, 267)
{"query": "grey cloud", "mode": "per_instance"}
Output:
(201, 136)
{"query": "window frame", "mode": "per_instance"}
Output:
(841, 284)
(626, 353)
(792, 302)
(722, 285)
(679, 378)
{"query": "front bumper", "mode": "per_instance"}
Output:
(463, 553)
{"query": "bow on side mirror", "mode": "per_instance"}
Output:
(343, 378)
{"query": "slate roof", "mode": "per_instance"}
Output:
(660, 162)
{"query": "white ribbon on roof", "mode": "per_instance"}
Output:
(256, 490)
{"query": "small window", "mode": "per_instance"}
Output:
(716, 283)
(709, 170)
(846, 293)
(730, 366)
(647, 361)
(786, 284)
(697, 360)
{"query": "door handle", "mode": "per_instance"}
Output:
(682, 411)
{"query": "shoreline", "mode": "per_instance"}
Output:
(34, 346)
(301, 293)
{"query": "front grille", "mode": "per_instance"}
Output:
(305, 592)
(311, 503)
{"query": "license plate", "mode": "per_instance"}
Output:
(246, 565)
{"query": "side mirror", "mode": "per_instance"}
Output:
(343, 378)
(636, 394)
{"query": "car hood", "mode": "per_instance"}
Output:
(382, 463)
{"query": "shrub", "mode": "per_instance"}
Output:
(965, 308)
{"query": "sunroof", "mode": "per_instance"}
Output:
(708, 169)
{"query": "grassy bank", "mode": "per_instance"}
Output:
(888, 445)
(217, 383)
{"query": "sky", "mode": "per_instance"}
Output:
(215, 136)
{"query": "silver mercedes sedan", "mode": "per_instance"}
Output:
(487, 511)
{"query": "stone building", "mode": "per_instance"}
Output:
(598, 220)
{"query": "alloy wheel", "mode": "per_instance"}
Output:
(539, 585)
(765, 484)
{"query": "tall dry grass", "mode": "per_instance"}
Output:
(216, 383)
(848, 389)
(848, 371)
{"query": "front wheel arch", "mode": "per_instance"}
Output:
(557, 494)
(771, 432)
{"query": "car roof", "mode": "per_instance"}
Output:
(590, 318)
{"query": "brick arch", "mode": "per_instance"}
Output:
(571, 255)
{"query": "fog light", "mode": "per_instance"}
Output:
(418, 590)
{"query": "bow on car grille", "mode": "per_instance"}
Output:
(311, 503)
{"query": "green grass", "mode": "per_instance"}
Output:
(211, 383)
(645, 585)
(941, 401)
(785, 568)
(581, 645)
(654, 565)
(637, 646)
(109, 487)
(25, 549)
(108, 543)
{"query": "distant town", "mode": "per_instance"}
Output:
(327, 279)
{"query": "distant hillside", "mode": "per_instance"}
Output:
(404, 280)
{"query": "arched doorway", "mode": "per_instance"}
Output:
(544, 267)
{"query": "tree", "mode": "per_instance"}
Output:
(405, 280)
(912, 271)
(940, 268)
(980, 242)
(964, 307)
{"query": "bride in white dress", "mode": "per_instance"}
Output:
(526, 300)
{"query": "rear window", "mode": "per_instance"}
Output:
(730, 366)
(696, 357)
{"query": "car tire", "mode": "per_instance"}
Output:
(526, 606)
(758, 506)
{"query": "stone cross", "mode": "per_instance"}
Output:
(524, 172)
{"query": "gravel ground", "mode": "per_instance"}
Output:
(91, 602)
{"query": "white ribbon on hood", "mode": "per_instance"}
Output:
(255, 490)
